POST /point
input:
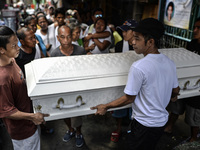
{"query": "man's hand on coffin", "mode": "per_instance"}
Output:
(101, 109)
(122, 101)
(39, 118)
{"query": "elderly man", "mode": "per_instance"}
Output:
(149, 88)
(66, 48)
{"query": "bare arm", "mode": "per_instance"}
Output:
(104, 34)
(55, 24)
(122, 101)
(87, 47)
(175, 93)
(102, 45)
(37, 118)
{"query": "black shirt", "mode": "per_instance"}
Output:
(25, 58)
(194, 102)
(194, 46)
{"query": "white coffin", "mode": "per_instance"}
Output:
(68, 86)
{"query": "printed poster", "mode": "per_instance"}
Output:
(177, 13)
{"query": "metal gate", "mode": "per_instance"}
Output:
(177, 37)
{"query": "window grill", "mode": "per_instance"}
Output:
(176, 37)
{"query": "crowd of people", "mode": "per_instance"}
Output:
(62, 32)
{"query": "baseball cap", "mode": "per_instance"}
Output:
(150, 26)
(128, 25)
(51, 6)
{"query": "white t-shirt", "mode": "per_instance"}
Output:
(151, 79)
(75, 43)
(125, 47)
(96, 49)
(56, 33)
(49, 38)
(48, 16)
(37, 53)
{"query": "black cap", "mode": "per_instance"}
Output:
(128, 25)
(150, 26)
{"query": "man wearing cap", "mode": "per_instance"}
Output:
(126, 43)
(152, 82)
(123, 46)
(50, 16)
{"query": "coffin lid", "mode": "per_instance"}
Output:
(84, 72)
(183, 58)
(87, 72)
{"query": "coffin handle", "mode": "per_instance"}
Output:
(60, 100)
(187, 87)
(38, 108)
(81, 99)
(60, 103)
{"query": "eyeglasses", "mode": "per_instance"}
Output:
(97, 16)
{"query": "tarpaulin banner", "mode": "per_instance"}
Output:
(177, 13)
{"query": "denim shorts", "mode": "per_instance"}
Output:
(192, 116)
(177, 107)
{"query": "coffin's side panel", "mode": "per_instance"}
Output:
(89, 98)
(188, 70)
(190, 87)
(78, 85)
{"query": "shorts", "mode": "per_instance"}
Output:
(30, 143)
(122, 113)
(177, 107)
(76, 122)
(192, 116)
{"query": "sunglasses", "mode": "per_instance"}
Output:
(97, 16)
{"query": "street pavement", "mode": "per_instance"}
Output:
(97, 130)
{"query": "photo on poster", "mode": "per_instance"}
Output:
(177, 13)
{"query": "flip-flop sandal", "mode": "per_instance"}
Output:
(115, 136)
(46, 130)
